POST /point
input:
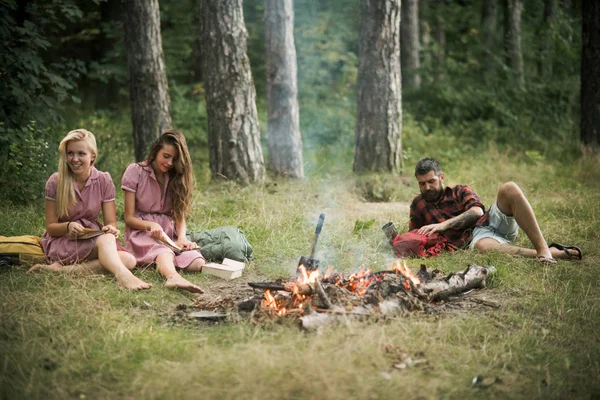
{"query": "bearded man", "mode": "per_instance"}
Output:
(458, 214)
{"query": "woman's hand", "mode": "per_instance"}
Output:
(186, 244)
(112, 230)
(156, 230)
(75, 229)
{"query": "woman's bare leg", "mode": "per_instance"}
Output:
(196, 265)
(85, 268)
(166, 267)
(110, 259)
(128, 260)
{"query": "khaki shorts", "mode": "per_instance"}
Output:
(501, 228)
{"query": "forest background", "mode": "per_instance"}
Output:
(65, 67)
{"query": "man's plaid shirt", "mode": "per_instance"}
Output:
(454, 201)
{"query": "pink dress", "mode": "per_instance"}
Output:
(151, 204)
(98, 189)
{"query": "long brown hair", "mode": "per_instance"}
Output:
(65, 193)
(181, 176)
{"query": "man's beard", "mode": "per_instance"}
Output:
(433, 194)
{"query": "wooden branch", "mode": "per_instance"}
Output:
(323, 295)
(268, 286)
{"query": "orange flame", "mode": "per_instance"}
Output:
(271, 302)
(357, 283)
(402, 268)
(307, 276)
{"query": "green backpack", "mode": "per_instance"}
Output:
(223, 242)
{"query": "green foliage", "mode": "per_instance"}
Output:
(27, 161)
(326, 45)
(542, 117)
(179, 30)
(360, 226)
(33, 87)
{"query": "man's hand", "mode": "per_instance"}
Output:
(431, 229)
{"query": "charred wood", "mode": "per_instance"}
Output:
(268, 286)
(322, 295)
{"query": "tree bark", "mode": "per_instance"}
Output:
(488, 31)
(148, 87)
(233, 131)
(438, 9)
(512, 39)
(378, 142)
(197, 42)
(545, 35)
(590, 74)
(409, 44)
(284, 140)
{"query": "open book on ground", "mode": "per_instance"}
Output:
(88, 233)
(228, 269)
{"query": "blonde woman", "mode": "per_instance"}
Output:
(75, 195)
(158, 194)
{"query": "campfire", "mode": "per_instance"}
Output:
(392, 291)
(318, 300)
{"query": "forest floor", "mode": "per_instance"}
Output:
(69, 336)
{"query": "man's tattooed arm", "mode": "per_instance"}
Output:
(465, 220)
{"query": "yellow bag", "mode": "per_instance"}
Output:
(25, 249)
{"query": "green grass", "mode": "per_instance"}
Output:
(82, 337)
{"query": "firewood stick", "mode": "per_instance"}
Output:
(323, 295)
(268, 286)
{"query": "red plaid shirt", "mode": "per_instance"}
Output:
(454, 201)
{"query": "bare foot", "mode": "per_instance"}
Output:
(54, 267)
(177, 281)
(546, 260)
(130, 281)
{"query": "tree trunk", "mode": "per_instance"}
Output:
(546, 35)
(409, 44)
(285, 143)
(512, 39)
(149, 91)
(233, 132)
(197, 42)
(425, 32)
(438, 8)
(488, 30)
(378, 142)
(590, 74)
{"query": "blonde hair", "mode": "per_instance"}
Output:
(65, 193)
(181, 176)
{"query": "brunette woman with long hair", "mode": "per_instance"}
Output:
(75, 195)
(158, 195)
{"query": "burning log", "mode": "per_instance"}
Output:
(268, 286)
